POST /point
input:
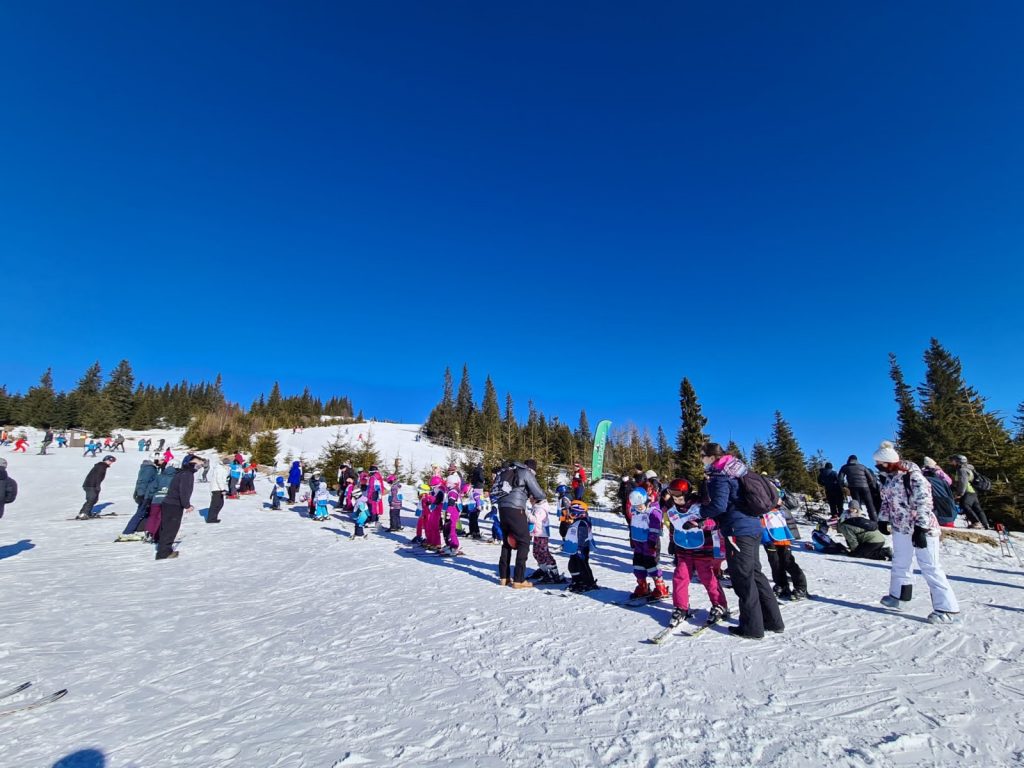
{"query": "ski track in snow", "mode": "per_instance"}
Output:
(276, 642)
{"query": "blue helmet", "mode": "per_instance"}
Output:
(562, 490)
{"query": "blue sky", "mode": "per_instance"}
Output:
(587, 201)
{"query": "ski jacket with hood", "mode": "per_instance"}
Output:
(218, 476)
(902, 508)
(295, 474)
(723, 499)
(179, 494)
(147, 472)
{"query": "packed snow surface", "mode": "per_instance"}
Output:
(277, 641)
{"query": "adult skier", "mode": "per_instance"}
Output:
(177, 501)
(907, 512)
(515, 486)
(860, 481)
(8, 488)
(91, 486)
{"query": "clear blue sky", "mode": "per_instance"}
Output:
(586, 200)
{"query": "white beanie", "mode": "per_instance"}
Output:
(930, 463)
(886, 454)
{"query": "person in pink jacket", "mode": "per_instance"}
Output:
(433, 526)
(452, 506)
(547, 568)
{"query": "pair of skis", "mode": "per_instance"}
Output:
(666, 633)
(24, 707)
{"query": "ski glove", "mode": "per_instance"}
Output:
(883, 527)
(920, 537)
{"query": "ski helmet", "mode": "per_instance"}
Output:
(436, 481)
(679, 487)
(638, 498)
(357, 494)
(562, 490)
(579, 508)
(390, 478)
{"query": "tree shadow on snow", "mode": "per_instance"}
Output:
(917, 572)
(10, 550)
(1005, 608)
(83, 758)
(868, 607)
(998, 570)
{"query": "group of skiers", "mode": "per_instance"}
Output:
(951, 495)
(706, 524)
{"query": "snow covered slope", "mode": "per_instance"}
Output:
(276, 641)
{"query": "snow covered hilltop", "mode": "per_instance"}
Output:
(276, 642)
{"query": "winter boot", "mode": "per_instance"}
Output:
(660, 591)
(799, 594)
(679, 616)
(718, 613)
(641, 590)
(522, 584)
(943, 617)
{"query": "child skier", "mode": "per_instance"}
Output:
(360, 514)
(452, 508)
(578, 540)
(433, 525)
(547, 568)
(320, 500)
(277, 493)
(565, 517)
(92, 446)
(248, 479)
(645, 538)
(422, 510)
(700, 549)
(778, 543)
(234, 476)
(394, 504)
(21, 444)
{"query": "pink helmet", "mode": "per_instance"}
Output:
(390, 478)
(436, 481)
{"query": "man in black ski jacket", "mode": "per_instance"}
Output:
(828, 479)
(91, 486)
(860, 480)
(518, 485)
(8, 488)
(177, 501)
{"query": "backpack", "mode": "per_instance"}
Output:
(504, 482)
(757, 494)
(943, 503)
(980, 482)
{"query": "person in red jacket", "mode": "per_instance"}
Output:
(579, 482)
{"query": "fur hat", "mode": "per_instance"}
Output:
(886, 453)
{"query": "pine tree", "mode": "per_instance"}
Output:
(265, 448)
(366, 454)
(465, 409)
(40, 402)
(814, 466)
(584, 439)
(335, 453)
(274, 402)
(954, 413)
(790, 463)
(690, 438)
(761, 460)
(442, 422)
(664, 463)
(911, 440)
(490, 417)
(509, 426)
(1018, 423)
(119, 393)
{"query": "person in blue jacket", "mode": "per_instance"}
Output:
(759, 610)
(294, 480)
